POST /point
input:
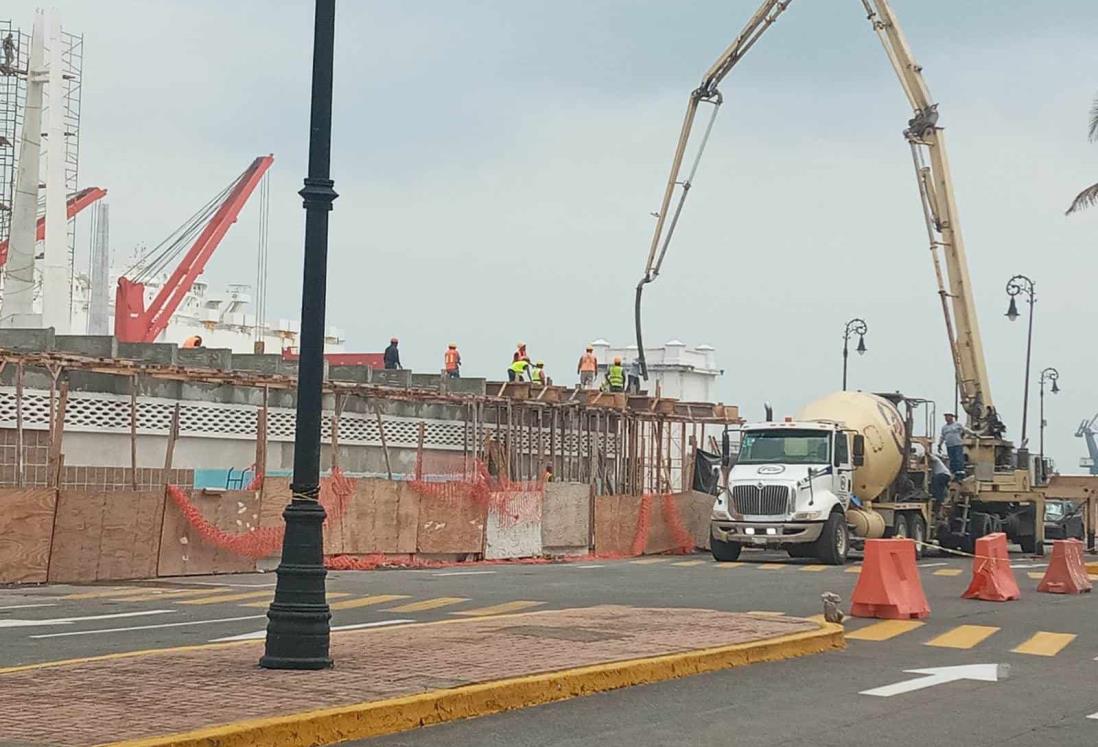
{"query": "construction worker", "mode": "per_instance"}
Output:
(392, 355)
(194, 341)
(518, 370)
(547, 475)
(952, 438)
(520, 352)
(615, 375)
(587, 368)
(452, 361)
(537, 374)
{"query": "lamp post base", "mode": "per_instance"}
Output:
(297, 627)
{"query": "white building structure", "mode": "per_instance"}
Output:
(682, 372)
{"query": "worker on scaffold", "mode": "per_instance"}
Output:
(452, 362)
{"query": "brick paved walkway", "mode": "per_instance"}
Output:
(142, 696)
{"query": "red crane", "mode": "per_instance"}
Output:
(76, 202)
(135, 323)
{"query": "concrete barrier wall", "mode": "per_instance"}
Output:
(566, 519)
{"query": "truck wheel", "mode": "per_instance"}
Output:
(724, 552)
(799, 551)
(834, 541)
(1029, 544)
(900, 527)
(918, 533)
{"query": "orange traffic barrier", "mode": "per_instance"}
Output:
(889, 585)
(1066, 572)
(992, 578)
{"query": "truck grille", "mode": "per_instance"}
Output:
(769, 500)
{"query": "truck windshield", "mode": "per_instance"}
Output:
(785, 446)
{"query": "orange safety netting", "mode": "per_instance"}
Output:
(510, 502)
(260, 542)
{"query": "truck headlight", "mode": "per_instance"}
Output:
(807, 515)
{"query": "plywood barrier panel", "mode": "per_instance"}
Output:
(616, 520)
(130, 542)
(696, 508)
(276, 494)
(77, 531)
(26, 529)
(514, 525)
(184, 552)
(381, 517)
(453, 525)
(566, 514)
(678, 522)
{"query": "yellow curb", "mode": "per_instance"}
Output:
(364, 720)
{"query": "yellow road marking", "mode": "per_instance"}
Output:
(265, 603)
(115, 591)
(649, 561)
(1035, 575)
(963, 636)
(816, 618)
(813, 568)
(153, 596)
(1045, 644)
(685, 563)
(883, 630)
(728, 565)
(218, 598)
(773, 567)
(853, 569)
(427, 604)
(350, 604)
(496, 609)
(948, 572)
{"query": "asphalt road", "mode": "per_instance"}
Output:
(1046, 697)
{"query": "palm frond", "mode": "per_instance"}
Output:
(1087, 198)
(1094, 120)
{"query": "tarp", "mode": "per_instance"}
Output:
(706, 472)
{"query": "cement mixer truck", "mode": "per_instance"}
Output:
(845, 469)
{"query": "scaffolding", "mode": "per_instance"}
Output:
(13, 93)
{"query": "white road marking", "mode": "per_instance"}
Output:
(1093, 716)
(1029, 565)
(940, 676)
(590, 566)
(234, 586)
(931, 565)
(262, 633)
(464, 573)
(27, 606)
(16, 623)
(145, 627)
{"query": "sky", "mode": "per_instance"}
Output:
(497, 162)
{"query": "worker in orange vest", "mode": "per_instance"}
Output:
(452, 361)
(587, 368)
(194, 341)
(520, 353)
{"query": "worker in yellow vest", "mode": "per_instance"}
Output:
(615, 375)
(537, 374)
(518, 370)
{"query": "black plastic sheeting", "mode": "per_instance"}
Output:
(707, 472)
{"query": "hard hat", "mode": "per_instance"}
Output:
(453, 344)
(617, 359)
(393, 339)
(522, 344)
(589, 348)
(540, 364)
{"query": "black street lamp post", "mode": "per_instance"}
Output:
(298, 625)
(857, 327)
(1048, 374)
(1022, 284)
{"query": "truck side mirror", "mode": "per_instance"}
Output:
(859, 450)
(726, 450)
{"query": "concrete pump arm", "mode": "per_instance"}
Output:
(935, 188)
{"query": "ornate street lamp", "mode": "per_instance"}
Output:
(298, 626)
(1022, 284)
(857, 327)
(1048, 374)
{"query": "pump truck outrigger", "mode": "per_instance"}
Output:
(997, 492)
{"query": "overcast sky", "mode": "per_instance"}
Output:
(497, 161)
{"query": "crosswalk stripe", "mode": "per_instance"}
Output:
(116, 591)
(813, 568)
(963, 636)
(265, 603)
(765, 613)
(156, 595)
(1045, 644)
(729, 565)
(427, 604)
(884, 630)
(219, 598)
(686, 563)
(773, 567)
(499, 609)
(350, 604)
(949, 572)
(649, 561)
(853, 569)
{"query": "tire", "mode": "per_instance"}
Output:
(834, 542)
(1029, 544)
(800, 551)
(918, 533)
(901, 529)
(724, 552)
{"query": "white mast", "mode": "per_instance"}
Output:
(56, 277)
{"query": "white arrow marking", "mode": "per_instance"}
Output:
(940, 676)
(102, 631)
(1093, 716)
(26, 606)
(16, 623)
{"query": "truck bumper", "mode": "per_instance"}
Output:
(763, 534)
